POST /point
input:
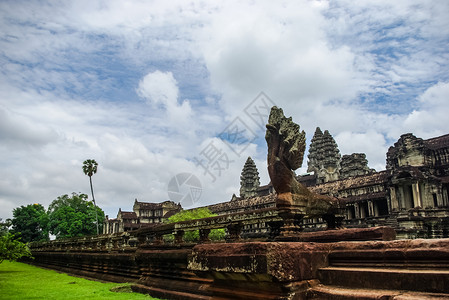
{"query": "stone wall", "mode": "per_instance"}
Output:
(260, 270)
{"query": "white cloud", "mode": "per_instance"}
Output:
(159, 88)
(72, 74)
(279, 49)
(371, 143)
(429, 119)
(22, 132)
(162, 88)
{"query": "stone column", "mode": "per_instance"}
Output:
(142, 239)
(204, 235)
(357, 210)
(348, 212)
(157, 239)
(445, 194)
(233, 232)
(179, 237)
(362, 211)
(376, 208)
(417, 201)
(394, 205)
(370, 209)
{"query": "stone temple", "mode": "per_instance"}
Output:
(410, 195)
(325, 235)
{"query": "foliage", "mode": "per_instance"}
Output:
(12, 249)
(90, 168)
(194, 214)
(31, 222)
(22, 281)
(4, 227)
(73, 216)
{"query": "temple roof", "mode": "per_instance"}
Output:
(148, 205)
(243, 204)
(354, 182)
(438, 142)
(128, 215)
(368, 196)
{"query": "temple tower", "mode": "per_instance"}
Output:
(324, 157)
(249, 179)
(314, 151)
(353, 165)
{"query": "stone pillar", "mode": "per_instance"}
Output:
(233, 232)
(357, 210)
(370, 209)
(103, 242)
(204, 235)
(348, 212)
(125, 240)
(291, 224)
(394, 205)
(444, 195)
(141, 240)
(179, 237)
(362, 211)
(417, 201)
(157, 239)
(376, 208)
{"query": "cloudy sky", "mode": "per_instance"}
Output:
(153, 89)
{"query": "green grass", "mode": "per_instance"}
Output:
(22, 281)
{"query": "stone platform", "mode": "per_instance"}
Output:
(341, 270)
(351, 269)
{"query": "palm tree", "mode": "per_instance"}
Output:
(90, 168)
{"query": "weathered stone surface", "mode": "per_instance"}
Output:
(279, 262)
(419, 265)
(351, 234)
(340, 293)
(407, 151)
(115, 267)
(259, 270)
(286, 146)
(164, 274)
(266, 270)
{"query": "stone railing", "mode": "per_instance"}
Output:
(233, 223)
(99, 243)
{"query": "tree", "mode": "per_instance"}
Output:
(12, 249)
(4, 226)
(30, 223)
(194, 214)
(73, 216)
(90, 168)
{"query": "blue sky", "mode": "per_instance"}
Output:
(145, 87)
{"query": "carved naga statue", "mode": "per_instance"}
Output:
(286, 147)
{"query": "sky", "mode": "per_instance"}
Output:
(171, 97)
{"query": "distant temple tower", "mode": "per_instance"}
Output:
(249, 179)
(324, 157)
(354, 165)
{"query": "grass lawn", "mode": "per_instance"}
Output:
(22, 281)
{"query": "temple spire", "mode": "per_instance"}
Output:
(324, 157)
(249, 179)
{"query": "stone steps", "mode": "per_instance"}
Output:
(392, 222)
(331, 292)
(416, 280)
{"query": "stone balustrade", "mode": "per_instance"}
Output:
(128, 241)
